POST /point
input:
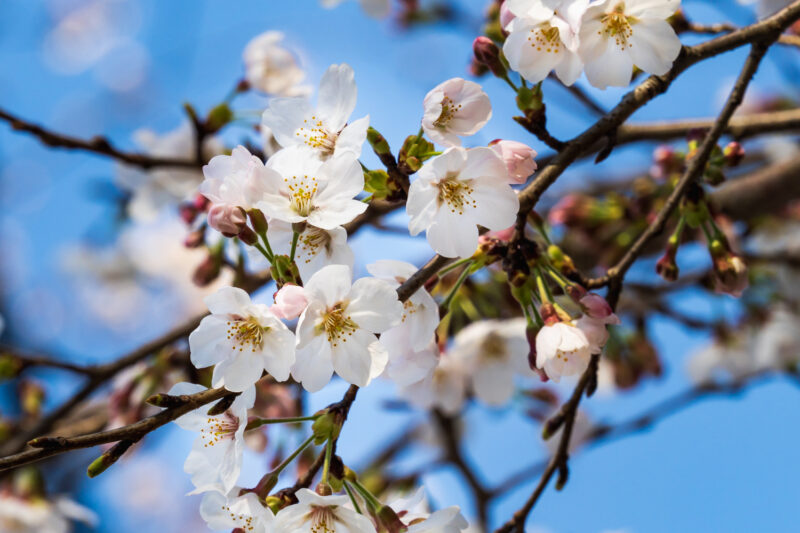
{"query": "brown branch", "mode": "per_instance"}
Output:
(693, 171)
(98, 145)
(49, 446)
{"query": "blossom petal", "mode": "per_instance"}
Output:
(337, 96)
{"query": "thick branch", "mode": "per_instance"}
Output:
(97, 145)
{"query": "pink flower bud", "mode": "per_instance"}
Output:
(487, 53)
(227, 219)
(730, 275)
(506, 16)
(290, 301)
(518, 158)
(596, 307)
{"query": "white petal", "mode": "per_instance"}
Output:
(374, 305)
(337, 96)
(352, 137)
(654, 46)
(205, 340)
(284, 116)
(352, 359)
(227, 301)
(314, 367)
(330, 285)
(452, 235)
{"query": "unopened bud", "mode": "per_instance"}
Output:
(258, 220)
(487, 53)
(108, 458)
(378, 142)
(229, 220)
(195, 239)
(667, 268)
(207, 271)
(734, 153)
(218, 117)
(326, 427)
(248, 236)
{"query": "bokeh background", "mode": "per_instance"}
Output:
(112, 67)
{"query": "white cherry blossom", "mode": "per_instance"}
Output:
(562, 349)
(215, 461)
(420, 310)
(414, 512)
(39, 515)
(544, 37)
(316, 248)
(325, 130)
(493, 351)
(242, 339)
(408, 365)
(301, 188)
(444, 388)
(454, 193)
(272, 69)
(233, 183)
(317, 514)
(615, 35)
(337, 329)
(454, 108)
(242, 513)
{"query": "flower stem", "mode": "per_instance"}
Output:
(509, 82)
(286, 462)
(295, 238)
(349, 492)
(326, 466)
(371, 500)
(258, 422)
(264, 252)
(459, 282)
(450, 268)
(544, 290)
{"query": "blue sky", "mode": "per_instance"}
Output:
(723, 465)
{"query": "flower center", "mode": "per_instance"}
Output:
(449, 109)
(618, 26)
(323, 519)
(315, 135)
(337, 325)
(219, 428)
(545, 37)
(246, 332)
(312, 241)
(456, 194)
(302, 190)
(243, 522)
(493, 347)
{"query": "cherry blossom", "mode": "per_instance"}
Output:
(316, 248)
(271, 68)
(518, 157)
(316, 514)
(454, 108)
(420, 310)
(444, 388)
(304, 189)
(765, 8)
(215, 461)
(242, 339)
(325, 130)
(562, 349)
(544, 37)
(290, 301)
(617, 35)
(493, 351)
(337, 329)
(454, 193)
(243, 513)
(233, 184)
(414, 512)
(36, 514)
(408, 365)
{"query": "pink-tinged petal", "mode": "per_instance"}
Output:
(290, 301)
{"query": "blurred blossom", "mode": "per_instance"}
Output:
(272, 69)
(157, 189)
(765, 8)
(581, 431)
(116, 283)
(125, 67)
(373, 8)
(85, 32)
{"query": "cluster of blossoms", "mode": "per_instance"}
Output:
(605, 39)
